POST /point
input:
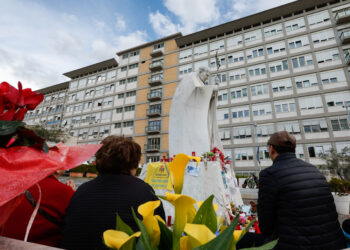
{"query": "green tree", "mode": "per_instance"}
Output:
(50, 135)
(338, 163)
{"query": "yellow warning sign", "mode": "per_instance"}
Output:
(158, 175)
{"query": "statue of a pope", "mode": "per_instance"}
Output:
(192, 125)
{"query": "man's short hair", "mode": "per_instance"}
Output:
(118, 155)
(282, 142)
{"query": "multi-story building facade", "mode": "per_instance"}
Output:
(282, 69)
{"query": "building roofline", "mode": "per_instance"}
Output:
(179, 34)
(257, 18)
(54, 88)
(92, 68)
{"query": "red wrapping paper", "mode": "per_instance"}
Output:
(22, 167)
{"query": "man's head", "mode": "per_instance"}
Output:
(203, 74)
(118, 155)
(346, 226)
(281, 142)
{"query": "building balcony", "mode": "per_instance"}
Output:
(157, 65)
(154, 112)
(156, 53)
(155, 129)
(152, 147)
(342, 16)
(155, 81)
(155, 96)
(345, 37)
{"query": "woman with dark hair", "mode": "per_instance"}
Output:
(94, 205)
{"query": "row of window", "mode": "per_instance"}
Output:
(92, 80)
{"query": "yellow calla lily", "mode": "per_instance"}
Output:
(199, 234)
(177, 169)
(237, 234)
(150, 221)
(183, 204)
(117, 239)
(184, 243)
(199, 204)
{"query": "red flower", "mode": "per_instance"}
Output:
(14, 103)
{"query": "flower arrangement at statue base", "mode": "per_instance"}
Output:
(196, 225)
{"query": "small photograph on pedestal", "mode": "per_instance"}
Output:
(192, 169)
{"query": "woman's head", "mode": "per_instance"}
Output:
(118, 155)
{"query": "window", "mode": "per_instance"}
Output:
(158, 46)
(200, 50)
(222, 95)
(121, 96)
(134, 53)
(217, 45)
(285, 106)
(237, 74)
(132, 79)
(323, 36)
(281, 85)
(340, 123)
(82, 83)
(73, 85)
(275, 48)
(327, 56)
(106, 116)
(295, 24)
(184, 69)
(119, 110)
(252, 36)
(118, 125)
(218, 78)
(156, 77)
(273, 30)
(199, 64)
(264, 153)
(107, 101)
(153, 158)
(129, 108)
(234, 42)
(257, 70)
(128, 124)
(306, 81)
(88, 105)
(131, 93)
(235, 57)
(109, 88)
(244, 154)
(222, 114)
(155, 92)
(317, 151)
(122, 82)
(341, 145)
(111, 75)
(221, 60)
(310, 102)
(240, 112)
(321, 17)
(329, 77)
(255, 52)
(98, 103)
(99, 90)
(155, 125)
(133, 66)
(302, 61)
(155, 108)
(242, 132)
(101, 78)
(260, 89)
(291, 127)
(125, 68)
(91, 80)
(261, 109)
(185, 54)
(298, 42)
(225, 134)
(264, 130)
(315, 125)
(239, 93)
(278, 66)
(338, 99)
(125, 56)
(89, 92)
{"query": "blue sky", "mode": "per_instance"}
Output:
(42, 39)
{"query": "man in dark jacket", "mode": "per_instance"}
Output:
(295, 204)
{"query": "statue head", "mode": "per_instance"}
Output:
(203, 74)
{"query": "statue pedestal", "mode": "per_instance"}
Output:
(210, 180)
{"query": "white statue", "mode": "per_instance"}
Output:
(192, 125)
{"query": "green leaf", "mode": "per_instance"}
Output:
(166, 237)
(144, 235)
(267, 246)
(206, 215)
(121, 226)
(223, 241)
(129, 245)
(9, 127)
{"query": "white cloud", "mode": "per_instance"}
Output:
(193, 13)
(130, 40)
(120, 24)
(101, 51)
(162, 25)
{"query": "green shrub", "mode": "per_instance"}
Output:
(91, 168)
(80, 169)
(138, 171)
(339, 186)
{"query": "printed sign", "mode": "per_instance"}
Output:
(158, 175)
(192, 169)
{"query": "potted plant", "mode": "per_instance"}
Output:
(78, 171)
(341, 193)
(91, 171)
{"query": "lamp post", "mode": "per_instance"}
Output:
(257, 146)
(347, 106)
